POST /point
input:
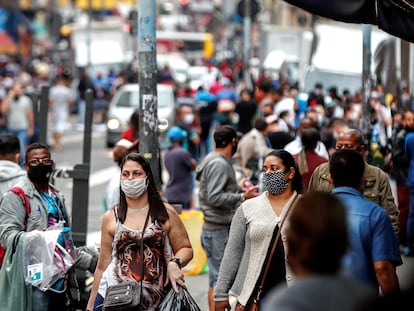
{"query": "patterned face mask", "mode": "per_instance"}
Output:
(275, 182)
(134, 188)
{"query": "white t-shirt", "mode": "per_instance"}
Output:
(286, 104)
(17, 114)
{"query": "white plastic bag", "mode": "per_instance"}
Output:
(44, 261)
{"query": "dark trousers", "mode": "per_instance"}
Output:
(403, 194)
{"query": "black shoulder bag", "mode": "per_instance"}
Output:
(127, 295)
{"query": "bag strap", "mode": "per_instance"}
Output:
(20, 192)
(141, 253)
(279, 231)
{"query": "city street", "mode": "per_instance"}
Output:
(103, 168)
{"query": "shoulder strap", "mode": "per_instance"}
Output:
(20, 192)
(116, 213)
(279, 231)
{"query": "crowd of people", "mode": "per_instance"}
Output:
(251, 169)
(296, 198)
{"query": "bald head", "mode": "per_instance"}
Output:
(351, 139)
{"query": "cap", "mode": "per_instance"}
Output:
(224, 135)
(176, 133)
(122, 147)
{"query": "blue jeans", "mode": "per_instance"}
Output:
(214, 242)
(48, 301)
(97, 306)
(23, 139)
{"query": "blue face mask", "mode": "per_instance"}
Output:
(275, 182)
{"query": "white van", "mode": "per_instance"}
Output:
(126, 100)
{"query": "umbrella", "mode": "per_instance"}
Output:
(393, 16)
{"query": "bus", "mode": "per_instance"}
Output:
(193, 45)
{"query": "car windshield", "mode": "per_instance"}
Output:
(131, 99)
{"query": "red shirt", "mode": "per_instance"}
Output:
(128, 134)
(314, 160)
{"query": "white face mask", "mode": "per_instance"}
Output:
(134, 188)
(189, 118)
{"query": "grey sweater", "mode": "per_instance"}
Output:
(219, 193)
(250, 236)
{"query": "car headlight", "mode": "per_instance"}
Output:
(113, 124)
(162, 124)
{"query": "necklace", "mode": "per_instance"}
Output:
(137, 210)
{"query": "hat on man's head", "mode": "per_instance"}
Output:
(224, 135)
(176, 133)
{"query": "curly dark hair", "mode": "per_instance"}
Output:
(34, 146)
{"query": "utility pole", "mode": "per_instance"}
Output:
(247, 29)
(366, 82)
(89, 36)
(147, 78)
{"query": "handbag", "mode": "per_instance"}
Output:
(127, 295)
(254, 302)
(124, 296)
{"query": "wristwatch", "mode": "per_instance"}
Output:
(177, 261)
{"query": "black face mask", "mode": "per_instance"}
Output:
(40, 173)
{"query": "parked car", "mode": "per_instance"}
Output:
(126, 100)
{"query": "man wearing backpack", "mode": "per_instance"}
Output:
(47, 208)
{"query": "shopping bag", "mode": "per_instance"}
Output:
(44, 260)
(14, 293)
(181, 301)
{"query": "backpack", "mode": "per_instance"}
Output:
(19, 191)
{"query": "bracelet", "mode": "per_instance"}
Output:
(177, 261)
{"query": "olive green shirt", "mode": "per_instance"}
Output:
(377, 188)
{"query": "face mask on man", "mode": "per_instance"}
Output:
(134, 188)
(189, 118)
(275, 182)
(39, 173)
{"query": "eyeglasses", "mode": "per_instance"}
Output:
(36, 161)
